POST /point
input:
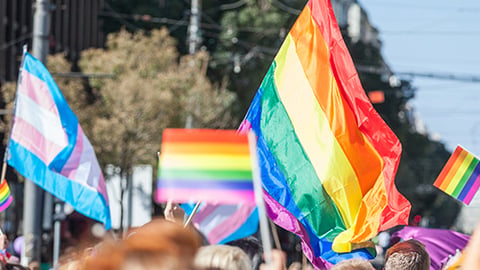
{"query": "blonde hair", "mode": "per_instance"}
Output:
(222, 257)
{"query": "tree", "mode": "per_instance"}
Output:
(153, 89)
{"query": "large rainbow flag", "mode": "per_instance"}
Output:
(328, 160)
(460, 177)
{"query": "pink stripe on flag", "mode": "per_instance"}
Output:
(245, 126)
(204, 195)
(71, 166)
(471, 193)
(38, 91)
(205, 212)
(82, 166)
(231, 224)
(34, 141)
(6, 204)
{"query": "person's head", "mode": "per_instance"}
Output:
(157, 245)
(222, 257)
(353, 264)
(253, 247)
(410, 254)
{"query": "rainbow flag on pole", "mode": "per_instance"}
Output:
(328, 160)
(205, 165)
(5, 196)
(459, 177)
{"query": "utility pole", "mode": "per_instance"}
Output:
(194, 27)
(33, 195)
(193, 41)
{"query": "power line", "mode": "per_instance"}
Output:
(434, 75)
(232, 5)
(120, 18)
(442, 76)
(427, 32)
(284, 7)
(16, 41)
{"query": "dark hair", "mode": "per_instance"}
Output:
(252, 247)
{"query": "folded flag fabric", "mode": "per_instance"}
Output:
(5, 196)
(325, 154)
(48, 146)
(222, 223)
(459, 177)
(439, 243)
(205, 165)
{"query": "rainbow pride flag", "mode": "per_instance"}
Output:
(205, 165)
(328, 161)
(459, 177)
(5, 196)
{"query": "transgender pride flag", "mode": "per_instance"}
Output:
(222, 223)
(48, 146)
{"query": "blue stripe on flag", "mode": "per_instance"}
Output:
(229, 184)
(248, 228)
(85, 200)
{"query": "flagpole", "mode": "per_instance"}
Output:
(4, 169)
(190, 217)
(262, 212)
(5, 155)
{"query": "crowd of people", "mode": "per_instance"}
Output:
(163, 244)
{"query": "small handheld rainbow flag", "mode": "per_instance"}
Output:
(460, 176)
(5, 196)
(205, 165)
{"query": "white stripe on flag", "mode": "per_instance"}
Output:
(218, 216)
(46, 122)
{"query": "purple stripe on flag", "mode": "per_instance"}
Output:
(38, 91)
(230, 225)
(471, 193)
(205, 195)
(6, 204)
(218, 184)
(468, 186)
(283, 218)
(28, 136)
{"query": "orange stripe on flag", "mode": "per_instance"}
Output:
(457, 162)
(447, 167)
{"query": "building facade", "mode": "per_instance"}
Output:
(75, 25)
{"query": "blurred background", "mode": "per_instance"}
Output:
(129, 69)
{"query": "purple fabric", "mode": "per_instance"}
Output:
(439, 243)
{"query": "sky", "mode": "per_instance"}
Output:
(439, 37)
